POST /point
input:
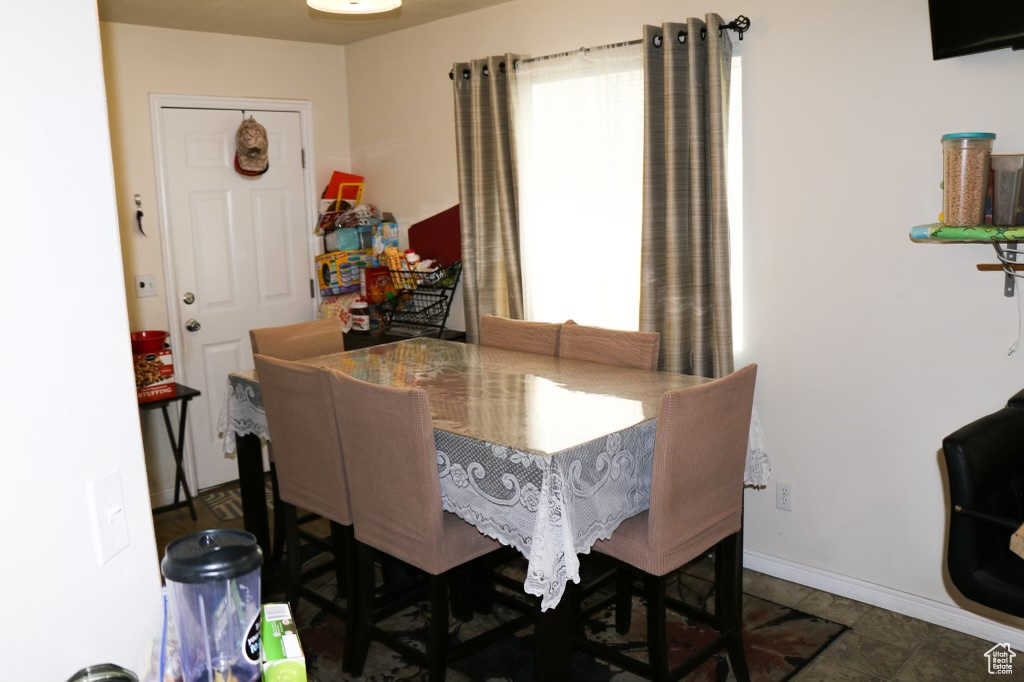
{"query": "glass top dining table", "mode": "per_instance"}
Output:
(545, 454)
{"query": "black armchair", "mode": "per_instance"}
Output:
(985, 461)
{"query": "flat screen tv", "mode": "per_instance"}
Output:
(962, 27)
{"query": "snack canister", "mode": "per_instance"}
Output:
(965, 168)
(213, 578)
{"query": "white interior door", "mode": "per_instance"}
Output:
(239, 246)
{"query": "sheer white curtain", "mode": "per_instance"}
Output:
(578, 128)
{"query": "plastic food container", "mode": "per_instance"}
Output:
(965, 168)
(1008, 188)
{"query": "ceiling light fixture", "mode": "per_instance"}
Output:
(354, 6)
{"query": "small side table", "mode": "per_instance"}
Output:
(184, 394)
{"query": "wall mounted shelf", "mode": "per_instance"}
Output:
(1003, 239)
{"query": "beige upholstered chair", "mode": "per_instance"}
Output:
(298, 341)
(293, 342)
(391, 462)
(609, 346)
(310, 475)
(696, 504)
(530, 337)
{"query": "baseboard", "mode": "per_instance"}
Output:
(946, 615)
(162, 498)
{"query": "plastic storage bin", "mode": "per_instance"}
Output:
(1008, 188)
(966, 160)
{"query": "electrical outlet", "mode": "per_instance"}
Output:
(145, 286)
(784, 496)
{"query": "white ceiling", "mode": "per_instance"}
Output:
(282, 19)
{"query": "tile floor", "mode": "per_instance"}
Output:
(880, 644)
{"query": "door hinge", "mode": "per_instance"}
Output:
(303, 158)
(311, 294)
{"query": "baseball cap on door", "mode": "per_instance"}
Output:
(251, 148)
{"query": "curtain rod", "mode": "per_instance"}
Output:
(740, 24)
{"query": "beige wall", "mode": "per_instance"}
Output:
(140, 61)
(871, 348)
(68, 405)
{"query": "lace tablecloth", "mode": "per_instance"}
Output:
(549, 507)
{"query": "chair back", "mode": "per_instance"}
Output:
(700, 452)
(298, 341)
(307, 450)
(985, 465)
(529, 337)
(609, 346)
(388, 439)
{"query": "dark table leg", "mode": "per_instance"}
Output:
(251, 483)
(553, 635)
(178, 448)
(251, 486)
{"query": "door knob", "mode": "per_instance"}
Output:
(192, 325)
(188, 297)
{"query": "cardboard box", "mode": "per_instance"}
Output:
(337, 272)
(283, 658)
(154, 375)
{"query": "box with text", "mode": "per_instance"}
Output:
(154, 375)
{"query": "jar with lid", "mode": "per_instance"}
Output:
(360, 313)
(965, 168)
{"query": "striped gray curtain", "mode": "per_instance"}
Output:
(491, 274)
(684, 290)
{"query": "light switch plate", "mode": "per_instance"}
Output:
(145, 286)
(110, 524)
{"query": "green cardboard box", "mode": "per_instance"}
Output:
(283, 658)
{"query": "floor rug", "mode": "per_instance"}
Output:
(226, 502)
(779, 641)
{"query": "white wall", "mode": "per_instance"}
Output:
(871, 348)
(141, 60)
(68, 407)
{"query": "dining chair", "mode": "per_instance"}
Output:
(293, 342)
(609, 346)
(985, 466)
(391, 461)
(530, 337)
(311, 476)
(696, 504)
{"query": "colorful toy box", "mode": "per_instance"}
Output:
(337, 272)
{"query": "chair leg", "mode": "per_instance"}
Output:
(437, 649)
(657, 635)
(345, 567)
(623, 600)
(729, 553)
(362, 618)
(462, 593)
(482, 593)
(340, 548)
(290, 526)
(279, 520)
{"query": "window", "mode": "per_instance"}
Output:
(579, 153)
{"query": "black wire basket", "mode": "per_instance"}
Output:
(422, 301)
